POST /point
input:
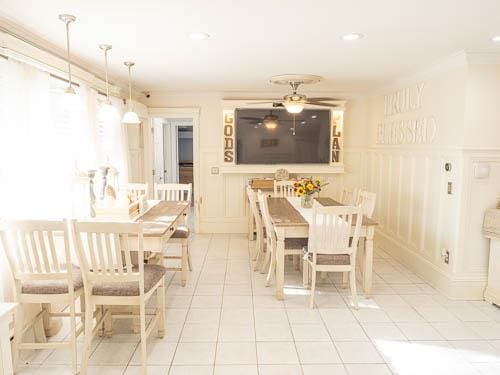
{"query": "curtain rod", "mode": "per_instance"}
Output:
(50, 52)
(55, 76)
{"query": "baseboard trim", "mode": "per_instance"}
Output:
(469, 287)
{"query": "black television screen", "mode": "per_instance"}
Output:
(265, 136)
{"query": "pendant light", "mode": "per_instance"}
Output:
(70, 99)
(130, 117)
(107, 112)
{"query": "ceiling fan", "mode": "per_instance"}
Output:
(294, 102)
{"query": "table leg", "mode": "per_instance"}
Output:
(251, 227)
(5, 350)
(280, 263)
(368, 261)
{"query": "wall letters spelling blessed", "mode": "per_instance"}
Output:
(414, 130)
(336, 145)
(229, 147)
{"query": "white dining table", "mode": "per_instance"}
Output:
(290, 220)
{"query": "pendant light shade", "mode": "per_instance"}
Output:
(130, 117)
(107, 112)
(69, 99)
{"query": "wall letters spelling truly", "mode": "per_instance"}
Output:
(229, 149)
(336, 143)
(416, 130)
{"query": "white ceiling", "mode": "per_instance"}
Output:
(254, 39)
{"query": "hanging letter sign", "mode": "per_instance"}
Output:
(229, 146)
(336, 132)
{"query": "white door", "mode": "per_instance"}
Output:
(159, 175)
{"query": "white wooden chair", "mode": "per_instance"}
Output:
(105, 254)
(136, 188)
(349, 196)
(284, 189)
(293, 246)
(43, 274)
(259, 227)
(332, 244)
(178, 192)
(366, 200)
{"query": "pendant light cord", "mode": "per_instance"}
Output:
(107, 84)
(68, 54)
(130, 84)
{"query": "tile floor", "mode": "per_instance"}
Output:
(225, 321)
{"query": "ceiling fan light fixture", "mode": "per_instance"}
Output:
(294, 107)
(271, 124)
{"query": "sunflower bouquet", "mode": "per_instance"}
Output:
(305, 189)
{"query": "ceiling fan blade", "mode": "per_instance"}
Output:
(323, 99)
(251, 118)
(268, 102)
(322, 104)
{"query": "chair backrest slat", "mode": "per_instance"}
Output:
(53, 252)
(252, 198)
(284, 189)
(349, 196)
(113, 248)
(174, 192)
(266, 218)
(31, 249)
(135, 188)
(331, 230)
(366, 200)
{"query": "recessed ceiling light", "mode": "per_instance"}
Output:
(351, 36)
(198, 36)
(496, 39)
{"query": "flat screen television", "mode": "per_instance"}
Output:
(268, 136)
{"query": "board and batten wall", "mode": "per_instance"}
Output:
(223, 207)
(445, 116)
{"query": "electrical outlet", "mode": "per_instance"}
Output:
(450, 188)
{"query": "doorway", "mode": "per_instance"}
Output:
(174, 152)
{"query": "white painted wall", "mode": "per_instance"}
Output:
(418, 218)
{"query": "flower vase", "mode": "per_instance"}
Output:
(306, 201)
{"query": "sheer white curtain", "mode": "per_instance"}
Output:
(25, 144)
(43, 142)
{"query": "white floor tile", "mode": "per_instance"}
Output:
(317, 352)
(194, 354)
(236, 369)
(200, 332)
(276, 353)
(347, 332)
(236, 353)
(455, 331)
(273, 332)
(368, 369)
(383, 331)
(159, 353)
(419, 331)
(191, 370)
(137, 370)
(324, 370)
(280, 370)
(358, 352)
(236, 332)
(310, 332)
(112, 353)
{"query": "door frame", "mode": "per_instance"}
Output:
(183, 112)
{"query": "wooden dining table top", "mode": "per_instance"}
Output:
(283, 214)
(162, 215)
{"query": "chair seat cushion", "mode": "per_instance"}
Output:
(181, 232)
(52, 286)
(152, 274)
(295, 243)
(330, 259)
